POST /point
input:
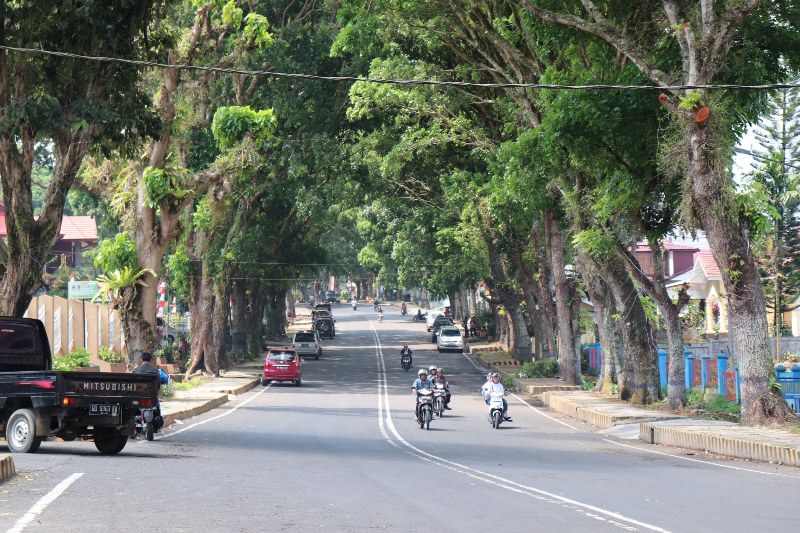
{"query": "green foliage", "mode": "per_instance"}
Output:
(692, 100)
(180, 271)
(78, 359)
(116, 254)
(105, 353)
(165, 186)
(545, 368)
(256, 30)
(714, 406)
(588, 382)
(166, 351)
(231, 124)
(114, 286)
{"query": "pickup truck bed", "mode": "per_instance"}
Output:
(36, 404)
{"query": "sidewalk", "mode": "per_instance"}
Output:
(186, 404)
(622, 420)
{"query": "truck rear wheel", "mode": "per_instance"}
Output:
(110, 444)
(21, 432)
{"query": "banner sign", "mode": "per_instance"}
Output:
(82, 290)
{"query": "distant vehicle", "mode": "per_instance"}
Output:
(282, 364)
(325, 306)
(439, 322)
(324, 325)
(307, 343)
(431, 316)
(331, 297)
(449, 338)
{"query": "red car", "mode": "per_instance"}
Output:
(282, 364)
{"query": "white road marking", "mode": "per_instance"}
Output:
(596, 513)
(226, 413)
(42, 504)
(700, 460)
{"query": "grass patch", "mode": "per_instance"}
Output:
(493, 357)
(168, 391)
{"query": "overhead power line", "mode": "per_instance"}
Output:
(303, 76)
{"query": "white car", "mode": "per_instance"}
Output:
(450, 339)
(307, 343)
(431, 317)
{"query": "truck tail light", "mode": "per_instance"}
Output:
(147, 402)
(69, 402)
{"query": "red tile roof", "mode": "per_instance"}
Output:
(668, 245)
(73, 228)
(708, 263)
(78, 228)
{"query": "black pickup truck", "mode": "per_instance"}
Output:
(37, 402)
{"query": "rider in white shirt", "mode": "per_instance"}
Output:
(494, 385)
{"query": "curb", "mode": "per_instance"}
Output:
(6, 468)
(699, 439)
(209, 404)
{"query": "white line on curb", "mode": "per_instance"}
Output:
(42, 504)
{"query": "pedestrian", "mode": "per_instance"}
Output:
(466, 327)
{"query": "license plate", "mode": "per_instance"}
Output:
(104, 409)
(304, 345)
(282, 367)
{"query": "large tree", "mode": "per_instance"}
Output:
(67, 105)
(710, 40)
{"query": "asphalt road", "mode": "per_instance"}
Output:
(342, 453)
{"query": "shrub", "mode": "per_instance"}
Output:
(166, 351)
(77, 359)
(546, 368)
(109, 356)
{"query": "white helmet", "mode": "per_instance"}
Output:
(422, 372)
(432, 368)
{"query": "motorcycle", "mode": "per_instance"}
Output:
(405, 359)
(425, 412)
(403, 311)
(380, 317)
(419, 317)
(147, 422)
(496, 409)
(355, 307)
(439, 398)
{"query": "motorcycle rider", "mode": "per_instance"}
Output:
(437, 377)
(403, 309)
(495, 386)
(422, 382)
(380, 314)
(354, 301)
(419, 316)
(406, 351)
(146, 366)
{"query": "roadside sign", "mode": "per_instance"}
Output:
(82, 290)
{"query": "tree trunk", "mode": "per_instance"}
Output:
(238, 320)
(201, 305)
(569, 362)
(217, 358)
(656, 289)
(290, 308)
(641, 363)
(729, 238)
(255, 317)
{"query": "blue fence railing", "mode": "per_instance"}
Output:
(707, 373)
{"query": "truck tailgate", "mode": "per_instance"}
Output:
(107, 385)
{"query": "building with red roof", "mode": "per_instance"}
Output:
(77, 233)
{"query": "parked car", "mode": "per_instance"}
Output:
(323, 306)
(307, 343)
(282, 364)
(324, 325)
(431, 317)
(449, 338)
(331, 297)
(439, 322)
